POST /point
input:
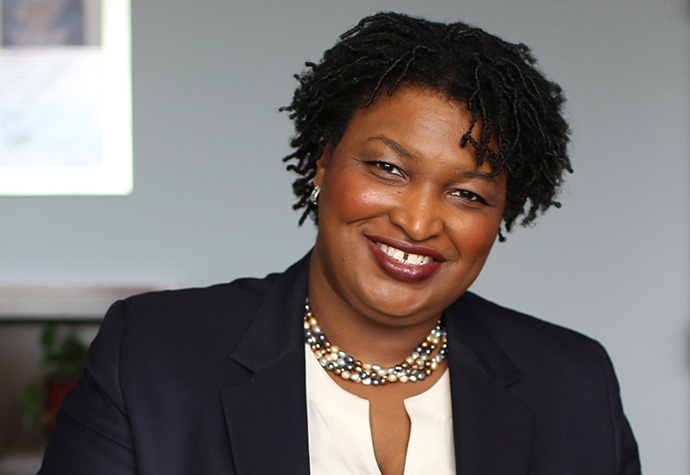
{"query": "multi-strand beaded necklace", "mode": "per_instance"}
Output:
(415, 367)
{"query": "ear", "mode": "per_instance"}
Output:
(322, 164)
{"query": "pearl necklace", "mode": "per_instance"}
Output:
(415, 367)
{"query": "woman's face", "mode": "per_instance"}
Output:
(406, 217)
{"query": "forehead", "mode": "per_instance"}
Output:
(410, 106)
(408, 98)
(423, 121)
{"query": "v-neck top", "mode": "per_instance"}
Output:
(340, 439)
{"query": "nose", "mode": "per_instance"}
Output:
(418, 213)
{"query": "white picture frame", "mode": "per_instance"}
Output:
(65, 106)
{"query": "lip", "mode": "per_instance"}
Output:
(399, 270)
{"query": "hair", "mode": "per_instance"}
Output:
(516, 107)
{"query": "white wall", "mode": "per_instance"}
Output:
(211, 201)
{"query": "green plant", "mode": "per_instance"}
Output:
(63, 358)
(35, 416)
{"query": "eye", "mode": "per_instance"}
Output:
(467, 195)
(387, 168)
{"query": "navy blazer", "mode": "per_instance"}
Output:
(211, 381)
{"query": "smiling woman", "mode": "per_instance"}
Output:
(416, 142)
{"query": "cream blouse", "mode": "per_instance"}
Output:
(340, 434)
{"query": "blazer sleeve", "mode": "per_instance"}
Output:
(93, 433)
(627, 455)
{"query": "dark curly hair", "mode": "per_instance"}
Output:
(514, 103)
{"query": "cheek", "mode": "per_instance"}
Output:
(350, 199)
(475, 237)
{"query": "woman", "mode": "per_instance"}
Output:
(416, 141)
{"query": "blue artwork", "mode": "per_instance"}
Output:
(42, 22)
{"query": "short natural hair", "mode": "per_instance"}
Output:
(517, 107)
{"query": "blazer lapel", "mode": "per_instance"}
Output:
(493, 429)
(273, 392)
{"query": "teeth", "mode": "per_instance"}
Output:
(404, 257)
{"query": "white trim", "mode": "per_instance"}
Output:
(59, 302)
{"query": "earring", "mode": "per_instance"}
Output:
(314, 196)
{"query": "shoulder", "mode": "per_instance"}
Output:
(197, 319)
(510, 325)
(565, 378)
(533, 344)
(224, 297)
(194, 296)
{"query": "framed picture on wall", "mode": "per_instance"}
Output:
(44, 23)
(65, 97)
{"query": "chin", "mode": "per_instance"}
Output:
(400, 305)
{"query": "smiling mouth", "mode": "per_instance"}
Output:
(404, 257)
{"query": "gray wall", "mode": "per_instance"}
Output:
(211, 201)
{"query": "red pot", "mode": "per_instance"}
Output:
(55, 391)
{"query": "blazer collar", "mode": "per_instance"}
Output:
(493, 429)
(273, 393)
(471, 340)
(277, 328)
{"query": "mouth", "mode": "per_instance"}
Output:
(404, 261)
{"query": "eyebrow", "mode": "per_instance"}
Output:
(393, 145)
(403, 152)
(470, 174)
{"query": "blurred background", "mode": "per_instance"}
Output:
(212, 202)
